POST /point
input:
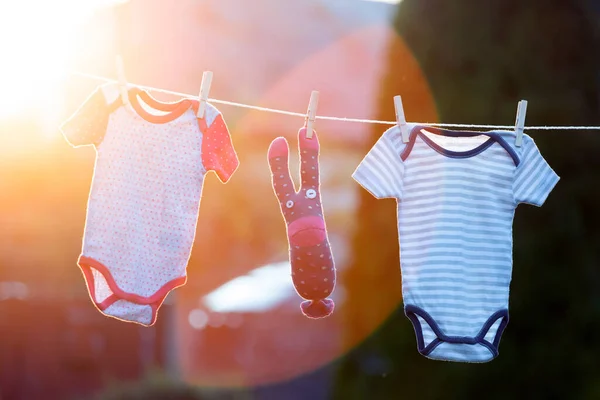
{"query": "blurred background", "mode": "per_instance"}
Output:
(235, 329)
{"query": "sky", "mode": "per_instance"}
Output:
(37, 46)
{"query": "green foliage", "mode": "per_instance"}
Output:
(157, 386)
(480, 58)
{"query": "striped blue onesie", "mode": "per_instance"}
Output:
(457, 192)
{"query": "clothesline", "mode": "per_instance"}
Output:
(359, 120)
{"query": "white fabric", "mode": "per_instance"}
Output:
(143, 203)
(455, 217)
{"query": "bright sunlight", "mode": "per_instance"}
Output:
(37, 39)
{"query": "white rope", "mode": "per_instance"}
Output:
(364, 121)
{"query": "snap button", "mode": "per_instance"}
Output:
(289, 204)
(311, 193)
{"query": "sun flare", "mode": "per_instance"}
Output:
(37, 39)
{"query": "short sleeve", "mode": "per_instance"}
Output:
(534, 178)
(88, 124)
(381, 171)
(218, 153)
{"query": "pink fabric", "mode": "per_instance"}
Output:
(313, 270)
(307, 231)
(143, 203)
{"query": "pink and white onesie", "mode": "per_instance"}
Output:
(145, 194)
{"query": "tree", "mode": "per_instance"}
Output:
(480, 58)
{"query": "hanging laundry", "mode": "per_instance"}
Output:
(456, 194)
(145, 194)
(313, 270)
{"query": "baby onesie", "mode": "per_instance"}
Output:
(455, 213)
(145, 194)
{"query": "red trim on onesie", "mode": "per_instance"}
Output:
(218, 153)
(155, 301)
(175, 110)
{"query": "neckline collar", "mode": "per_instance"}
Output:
(174, 110)
(454, 153)
(494, 137)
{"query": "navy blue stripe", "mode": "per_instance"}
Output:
(493, 137)
(408, 148)
(413, 312)
(456, 154)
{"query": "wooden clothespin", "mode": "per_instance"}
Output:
(520, 122)
(122, 80)
(311, 113)
(204, 89)
(401, 118)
